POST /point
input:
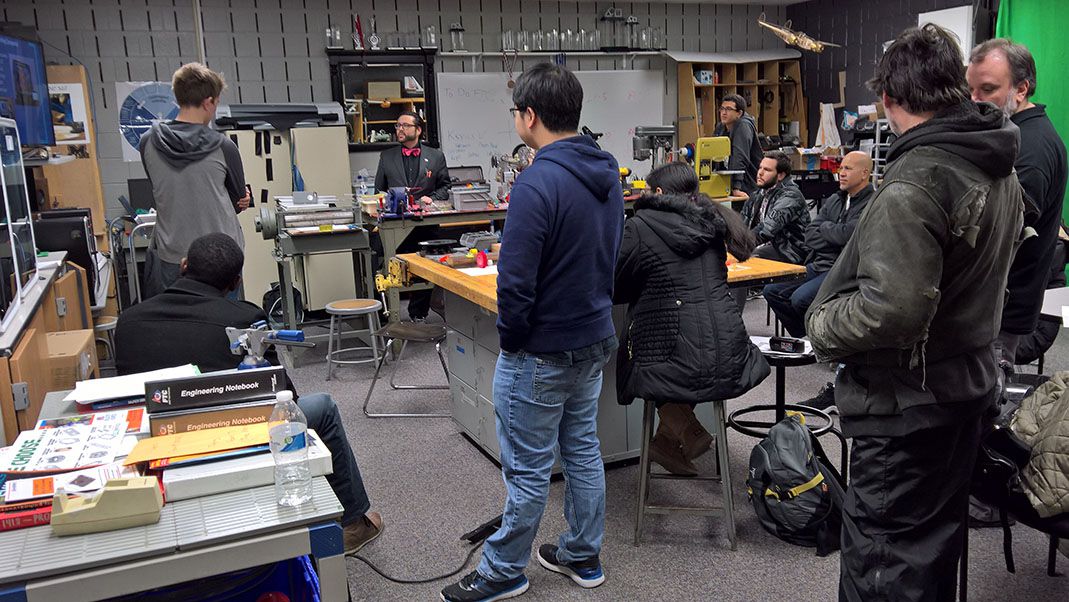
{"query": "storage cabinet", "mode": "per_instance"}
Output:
(772, 89)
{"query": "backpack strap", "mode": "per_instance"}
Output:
(794, 492)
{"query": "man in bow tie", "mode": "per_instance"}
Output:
(421, 169)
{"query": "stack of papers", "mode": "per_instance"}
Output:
(120, 387)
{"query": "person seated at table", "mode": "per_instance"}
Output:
(776, 212)
(685, 342)
(186, 324)
(825, 237)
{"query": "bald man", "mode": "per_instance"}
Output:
(825, 237)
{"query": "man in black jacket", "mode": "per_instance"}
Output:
(825, 236)
(777, 213)
(911, 308)
(186, 324)
(1004, 73)
(421, 168)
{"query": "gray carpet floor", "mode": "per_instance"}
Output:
(431, 485)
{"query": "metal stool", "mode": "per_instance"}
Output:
(408, 332)
(104, 332)
(723, 475)
(340, 311)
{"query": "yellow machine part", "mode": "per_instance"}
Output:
(707, 152)
(396, 276)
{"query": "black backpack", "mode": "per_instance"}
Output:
(796, 494)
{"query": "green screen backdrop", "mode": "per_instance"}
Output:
(1041, 25)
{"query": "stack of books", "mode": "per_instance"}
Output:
(214, 400)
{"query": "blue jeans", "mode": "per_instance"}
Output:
(323, 417)
(790, 300)
(546, 402)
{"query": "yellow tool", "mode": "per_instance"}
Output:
(396, 276)
(123, 503)
(707, 153)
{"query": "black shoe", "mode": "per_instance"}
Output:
(476, 588)
(587, 573)
(825, 400)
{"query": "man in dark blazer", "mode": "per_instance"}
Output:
(413, 164)
(422, 169)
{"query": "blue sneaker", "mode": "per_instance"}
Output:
(586, 573)
(476, 588)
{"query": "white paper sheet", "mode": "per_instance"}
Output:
(118, 387)
(490, 270)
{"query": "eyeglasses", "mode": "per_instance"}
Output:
(727, 109)
(513, 110)
(403, 126)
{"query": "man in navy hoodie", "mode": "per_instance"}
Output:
(554, 300)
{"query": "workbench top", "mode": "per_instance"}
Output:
(482, 290)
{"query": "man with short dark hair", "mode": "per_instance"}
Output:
(186, 324)
(1004, 73)
(777, 212)
(554, 299)
(911, 309)
(197, 178)
(422, 169)
(746, 154)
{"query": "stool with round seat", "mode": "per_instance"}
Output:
(408, 332)
(759, 429)
(347, 309)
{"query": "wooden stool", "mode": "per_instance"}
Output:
(408, 332)
(340, 311)
(723, 475)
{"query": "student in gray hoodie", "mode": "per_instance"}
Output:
(197, 179)
(740, 127)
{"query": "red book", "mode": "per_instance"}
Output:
(33, 517)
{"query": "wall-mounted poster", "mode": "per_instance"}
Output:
(140, 105)
(69, 117)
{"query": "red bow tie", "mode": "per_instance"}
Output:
(410, 152)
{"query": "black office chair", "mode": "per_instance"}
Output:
(996, 482)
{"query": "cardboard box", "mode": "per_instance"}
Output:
(72, 357)
(806, 159)
(380, 90)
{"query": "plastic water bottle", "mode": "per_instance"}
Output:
(289, 447)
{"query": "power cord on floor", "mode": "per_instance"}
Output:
(476, 537)
(383, 574)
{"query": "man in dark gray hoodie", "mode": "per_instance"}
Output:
(196, 174)
(740, 127)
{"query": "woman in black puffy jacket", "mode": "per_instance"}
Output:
(685, 342)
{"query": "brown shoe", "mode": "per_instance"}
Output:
(696, 441)
(667, 452)
(362, 532)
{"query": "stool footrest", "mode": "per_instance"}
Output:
(676, 477)
(710, 511)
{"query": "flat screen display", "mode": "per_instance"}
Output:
(24, 90)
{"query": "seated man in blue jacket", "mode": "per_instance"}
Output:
(186, 324)
(825, 236)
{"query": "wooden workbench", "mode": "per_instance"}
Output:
(482, 290)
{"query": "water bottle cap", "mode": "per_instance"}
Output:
(284, 396)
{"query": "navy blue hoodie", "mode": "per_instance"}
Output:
(558, 250)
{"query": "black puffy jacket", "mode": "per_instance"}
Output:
(685, 341)
(783, 222)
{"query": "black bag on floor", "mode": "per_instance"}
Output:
(795, 492)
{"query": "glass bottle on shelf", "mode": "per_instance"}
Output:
(456, 37)
(430, 37)
(552, 40)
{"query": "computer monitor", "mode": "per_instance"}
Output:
(141, 193)
(24, 90)
(72, 234)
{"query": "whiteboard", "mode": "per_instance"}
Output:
(475, 123)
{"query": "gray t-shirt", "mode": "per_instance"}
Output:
(197, 180)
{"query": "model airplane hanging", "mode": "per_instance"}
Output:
(794, 38)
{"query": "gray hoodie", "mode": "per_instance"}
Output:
(197, 180)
